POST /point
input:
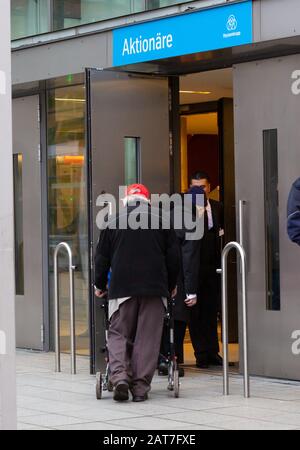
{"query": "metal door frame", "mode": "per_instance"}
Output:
(42, 118)
(43, 218)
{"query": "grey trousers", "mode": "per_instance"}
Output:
(134, 342)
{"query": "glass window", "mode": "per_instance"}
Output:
(18, 212)
(270, 155)
(132, 160)
(29, 17)
(32, 17)
(68, 215)
(70, 13)
(154, 4)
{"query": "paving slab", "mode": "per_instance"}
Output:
(48, 401)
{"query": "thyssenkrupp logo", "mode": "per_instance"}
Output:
(232, 23)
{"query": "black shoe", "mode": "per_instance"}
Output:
(215, 360)
(163, 368)
(140, 398)
(121, 391)
(202, 363)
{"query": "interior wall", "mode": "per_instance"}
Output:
(203, 154)
(184, 154)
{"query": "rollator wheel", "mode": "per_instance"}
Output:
(110, 386)
(171, 370)
(176, 383)
(98, 385)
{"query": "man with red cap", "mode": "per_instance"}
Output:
(144, 264)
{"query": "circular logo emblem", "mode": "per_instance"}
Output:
(232, 23)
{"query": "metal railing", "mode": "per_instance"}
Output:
(223, 272)
(65, 246)
(242, 204)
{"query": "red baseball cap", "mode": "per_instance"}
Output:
(138, 189)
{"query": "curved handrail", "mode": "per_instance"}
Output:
(65, 246)
(241, 251)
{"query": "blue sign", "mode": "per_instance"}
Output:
(209, 29)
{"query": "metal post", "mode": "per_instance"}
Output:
(225, 324)
(241, 251)
(241, 222)
(56, 316)
(65, 246)
(72, 319)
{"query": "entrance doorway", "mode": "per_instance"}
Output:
(207, 145)
(149, 124)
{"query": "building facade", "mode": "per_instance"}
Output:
(8, 407)
(111, 92)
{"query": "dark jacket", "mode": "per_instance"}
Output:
(188, 280)
(143, 262)
(293, 213)
(211, 242)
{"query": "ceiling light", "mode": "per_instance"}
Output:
(77, 100)
(195, 92)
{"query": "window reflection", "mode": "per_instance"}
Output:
(29, 17)
(154, 4)
(132, 160)
(32, 17)
(68, 218)
(70, 13)
(270, 153)
(18, 214)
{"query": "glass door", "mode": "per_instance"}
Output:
(67, 208)
(129, 141)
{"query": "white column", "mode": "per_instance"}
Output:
(7, 297)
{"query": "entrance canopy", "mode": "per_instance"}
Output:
(211, 60)
(206, 39)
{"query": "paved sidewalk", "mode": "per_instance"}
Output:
(48, 401)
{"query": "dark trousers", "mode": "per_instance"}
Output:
(180, 330)
(134, 341)
(203, 325)
(207, 316)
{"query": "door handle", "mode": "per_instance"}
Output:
(242, 204)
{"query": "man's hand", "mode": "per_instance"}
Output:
(99, 293)
(191, 301)
(174, 292)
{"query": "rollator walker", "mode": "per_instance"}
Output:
(103, 383)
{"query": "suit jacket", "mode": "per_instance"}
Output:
(188, 280)
(211, 242)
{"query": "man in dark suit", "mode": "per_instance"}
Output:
(209, 282)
